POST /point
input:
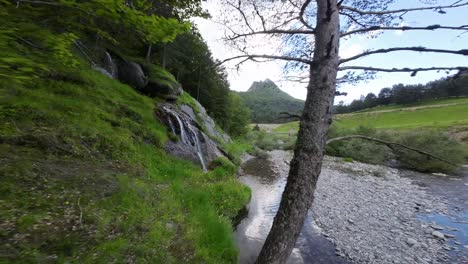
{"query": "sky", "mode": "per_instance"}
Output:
(240, 79)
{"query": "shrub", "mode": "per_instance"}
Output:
(434, 142)
(431, 141)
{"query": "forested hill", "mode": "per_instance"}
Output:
(266, 101)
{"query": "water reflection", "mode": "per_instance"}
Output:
(267, 187)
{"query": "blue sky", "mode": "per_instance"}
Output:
(241, 79)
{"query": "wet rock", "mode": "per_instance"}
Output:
(190, 142)
(208, 123)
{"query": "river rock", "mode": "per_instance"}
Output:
(438, 235)
(411, 241)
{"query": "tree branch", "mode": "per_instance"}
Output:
(418, 49)
(413, 70)
(301, 14)
(430, 27)
(254, 56)
(273, 31)
(370, 12)
(391, 145)
(238, 8)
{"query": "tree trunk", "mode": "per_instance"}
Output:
(148, 53)
(308, 154)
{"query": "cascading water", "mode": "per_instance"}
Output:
(188, 134)
(109, 64)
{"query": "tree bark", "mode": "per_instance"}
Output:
(308, 154)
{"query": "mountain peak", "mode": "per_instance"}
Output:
(263, 85)
(266, 101)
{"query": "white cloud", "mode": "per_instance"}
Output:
(350, 50)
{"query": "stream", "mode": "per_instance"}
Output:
(267, 179)
(267, 185)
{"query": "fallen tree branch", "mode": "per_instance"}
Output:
(391, 145)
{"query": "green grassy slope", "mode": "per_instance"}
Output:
(454, 113)
(440, 117)
(84, 179)
(432, 102)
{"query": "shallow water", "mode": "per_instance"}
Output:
(454, 189)
(267, 187)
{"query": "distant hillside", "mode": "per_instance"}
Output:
(267, 101)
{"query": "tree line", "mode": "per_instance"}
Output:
(410, 93)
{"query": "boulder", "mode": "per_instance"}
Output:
(161, 83)
(132, 74)
(162, 88)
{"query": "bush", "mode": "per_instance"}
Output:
(358, 149)
(434, 142)
(431, 141)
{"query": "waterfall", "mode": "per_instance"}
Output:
(109, 64)
(188, 134)
(198, 147)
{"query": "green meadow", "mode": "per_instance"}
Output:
(450, 113)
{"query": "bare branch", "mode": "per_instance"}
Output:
(352, 18)
(418, 49)
(274, 57)
(274, 31)
(238, 8)
(391, 145)
(301, 14)
(259, 15)
(404, 10)
(403, 28)
(413, 70)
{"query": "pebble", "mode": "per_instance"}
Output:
(411, 241)
(373, 219)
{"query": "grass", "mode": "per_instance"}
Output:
(84, 179)
(439, 117)
(450, 118)
(431, 102)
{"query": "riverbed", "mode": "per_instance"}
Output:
(361, 214)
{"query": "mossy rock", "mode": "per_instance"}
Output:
(161, 83)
